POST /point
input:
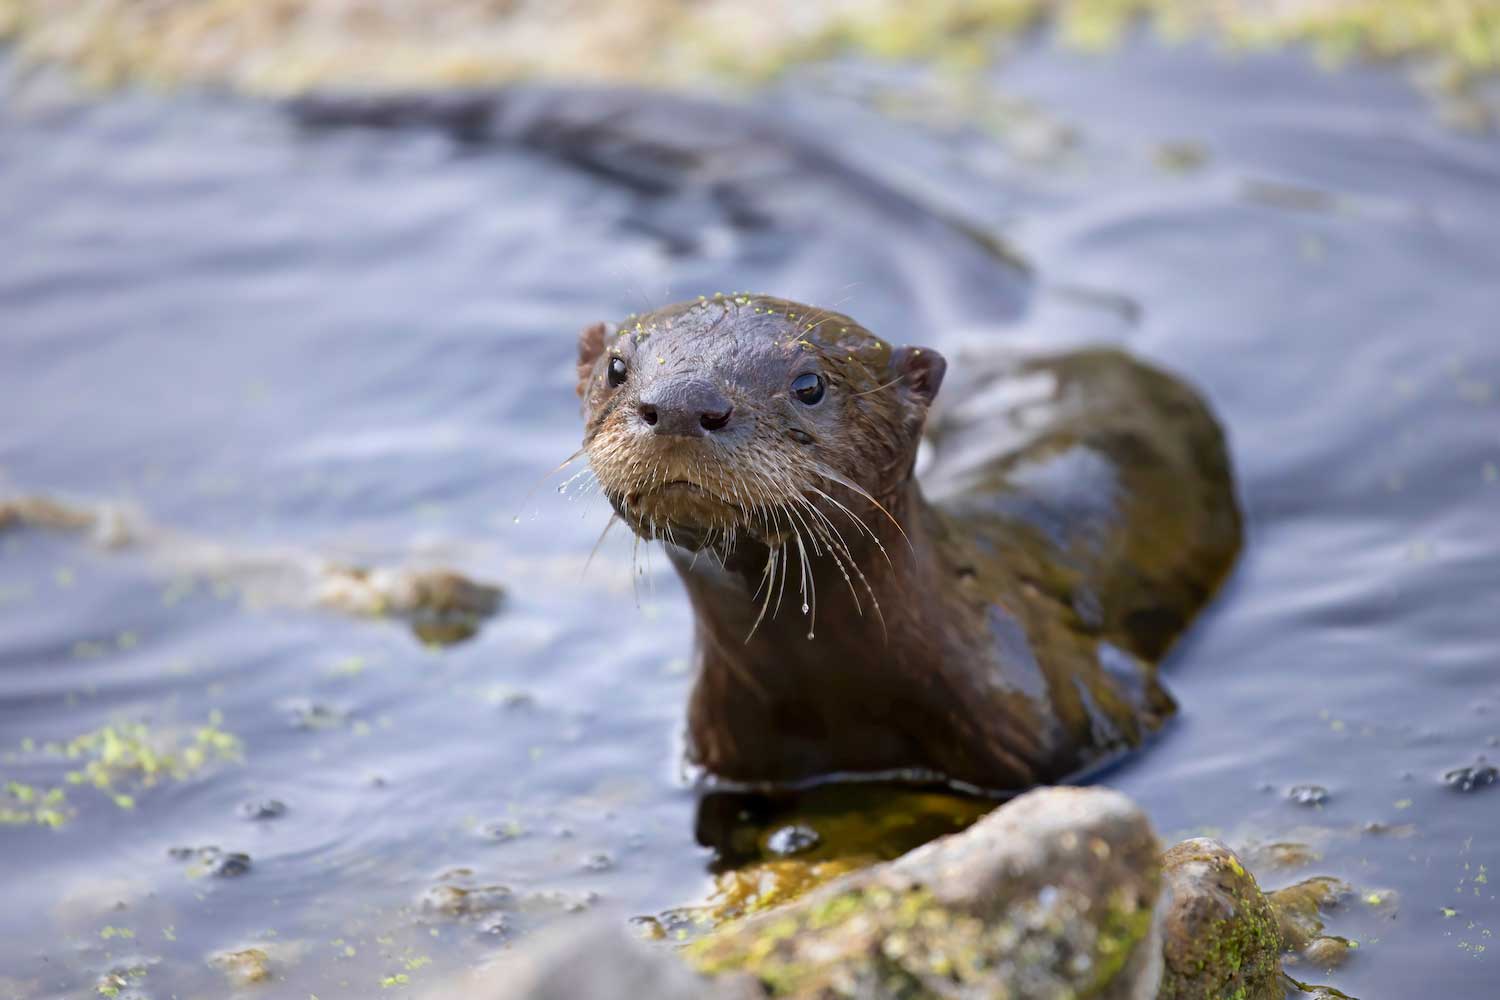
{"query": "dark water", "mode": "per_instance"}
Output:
(359, 343)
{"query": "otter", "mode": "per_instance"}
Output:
(998, 629)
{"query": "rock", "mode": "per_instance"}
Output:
(245, 967)
(442, 606)
(457, 901)
(599, 960)
(1308, 795)
(262, 809)
(1328, 952)
(1476, 775)
(1220, 936)
(1300, 908)
(794, 838)
(231, 864)
(1051, 895)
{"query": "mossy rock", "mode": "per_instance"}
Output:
(1220, 937)
(1052, 895)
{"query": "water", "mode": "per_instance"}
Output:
(359, 343)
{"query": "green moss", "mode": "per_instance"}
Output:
(901, 939)
(1229, 944)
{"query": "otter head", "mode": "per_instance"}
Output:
(748, 418)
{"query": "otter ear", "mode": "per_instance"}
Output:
(590, 346)
(920, 370)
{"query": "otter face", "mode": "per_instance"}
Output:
(743, 417)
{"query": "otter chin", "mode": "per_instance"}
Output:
(998, 629)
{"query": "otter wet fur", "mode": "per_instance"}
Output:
(997, 630)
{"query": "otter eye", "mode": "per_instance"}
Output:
(808, 388)
(616, 372)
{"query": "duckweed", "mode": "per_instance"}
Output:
(117, 760)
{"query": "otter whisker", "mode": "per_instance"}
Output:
(547, 475)
(809, 590)
(613, 520)
(635, 587)
(772, 559)
(882, 386)
(828, 473)
(781, 587)
(874, 601)
(859, 521)
(838, 551)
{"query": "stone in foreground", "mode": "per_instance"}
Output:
(1050, 896)
(1220, 937)
(1061, 893)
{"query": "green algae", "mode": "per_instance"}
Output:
(907, 943)
(117, 760)
(292, 46)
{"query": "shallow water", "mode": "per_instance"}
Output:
(359, 343)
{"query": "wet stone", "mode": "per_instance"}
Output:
(456, 901)
(1477, 775)
(245, 967)
(792, 839)
(1220, 937)
(306, 714)
(1051, 895)
(230, 865)
(1300, 908)
(1308, 795)
(212, 861)
(1328, 952)
(262, 809)
(500, 831)
(514, 700)
(497, 927)
(648, 928)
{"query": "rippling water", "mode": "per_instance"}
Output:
(358, 342)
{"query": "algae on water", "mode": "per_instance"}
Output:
(292, 46)
(118, 760)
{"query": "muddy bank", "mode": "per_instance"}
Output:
(291, 46)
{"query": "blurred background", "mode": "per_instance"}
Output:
(289, 297)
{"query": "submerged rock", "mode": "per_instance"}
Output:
(245, 967)
(262, 809)
(794, 838)
(1308, 795)
(1220, 936)
(1476, 775)
(1300, 908)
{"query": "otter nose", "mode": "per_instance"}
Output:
(685, 408)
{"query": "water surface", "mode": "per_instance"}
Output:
(358, 343)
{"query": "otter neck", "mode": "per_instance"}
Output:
(837, 688)
(893, 562)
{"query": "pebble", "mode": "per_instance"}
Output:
(1308, 795)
